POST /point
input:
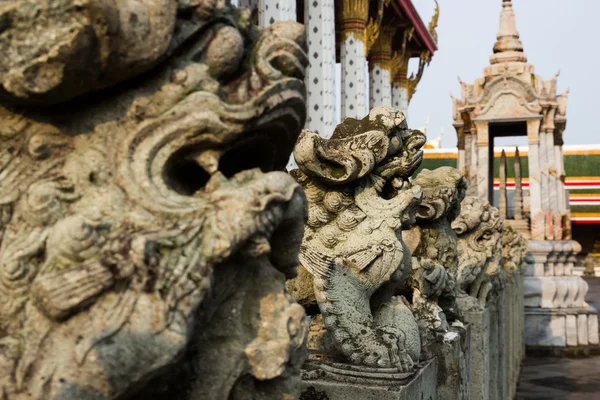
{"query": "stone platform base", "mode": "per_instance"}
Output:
(318, 384)
(561, 328)
(577, 351)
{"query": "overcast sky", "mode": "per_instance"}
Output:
(556, 35)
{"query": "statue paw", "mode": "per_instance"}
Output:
(435, 280)
(405, 363)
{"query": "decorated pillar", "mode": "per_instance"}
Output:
(483, 158)
(473, 150)
(462, 157)
(535, 179)
(408, 85)
(399, 70)
(271, 11)
(319, 21)
(380, 79)
(548, 131)
(560, 123)
(399, 88)
(353, 55)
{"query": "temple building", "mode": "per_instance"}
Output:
(372, 41)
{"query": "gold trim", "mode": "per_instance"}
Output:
(434, 23)
(413, 80)
(382, 49)
(355, 9)
(354, 15)
(584, 215)
(373, 28)
(439, 155)
(399, 60)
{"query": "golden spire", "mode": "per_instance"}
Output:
(508, 47)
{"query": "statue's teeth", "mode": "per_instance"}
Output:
(209, 160)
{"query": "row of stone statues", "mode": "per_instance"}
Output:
(389, 260)
(147, 227)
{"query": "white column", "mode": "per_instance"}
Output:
(380, 89)
(271, 11)
(353, 58)
(464, 156)
(319, 21)
(400, 96)
(380, 79)
(354, 70)
(545, 181)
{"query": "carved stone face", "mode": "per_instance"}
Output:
(478, 228)
(514, 248)
(380, 144)
(121, 210)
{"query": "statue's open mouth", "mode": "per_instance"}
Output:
(265, 143)
(397, 168)
(189, 169)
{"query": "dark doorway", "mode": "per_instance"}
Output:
(503, 130)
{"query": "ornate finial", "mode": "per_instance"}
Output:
(434, 22)
(508, 47)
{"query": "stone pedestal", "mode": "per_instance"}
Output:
(321, 383)
(514, 328)
(497, 345)
(452, 349)
(556, 315)
(479, 320)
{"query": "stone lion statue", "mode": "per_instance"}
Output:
(433, 245)
(479, 229)
(146, 226)
(359, 200)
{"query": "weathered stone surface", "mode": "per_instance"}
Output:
(433, 245)
(422, 385)
(479, 228)
(514, 249)
(143, 252)
(359, 200)
(479, 321)
(452, 350)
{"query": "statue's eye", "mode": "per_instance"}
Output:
(486, 236)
